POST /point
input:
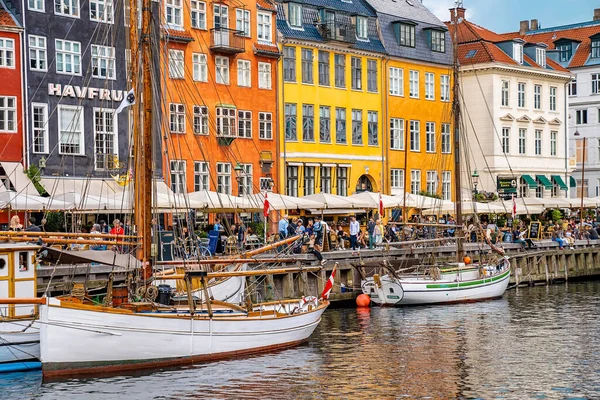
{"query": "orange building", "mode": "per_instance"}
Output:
(219, 63)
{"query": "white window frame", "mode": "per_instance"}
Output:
(198, 14)
(518, 52)
(244, 126)
(67, 8)
(174, 14)
(104, 11)
(445, 88)
(200, 125)
(242, 21)
(8, 114)
(226, 121)
(446, 136)
(222, 70)
(429, 86)
(446, 185)
(177, 118)
(362, 28)
(68, 57)
(540, 57)
(265, 184)
(295, 15)
(431, 183)
(176, 64)
(430, 137)
(39, 128)
(521, 94)
(396, 134)
(538, 142)
(413, 77)
(595, 79)
(177, 169)
(103, 59)
(415, 181)
(265, 125)
(110, 113)
(505, 94)
(537, 97)
(415, 135)
(201, 176)
(199, 67)
(244, 74)
(245, 185)
(522, 141)
(553, 91)
(553, 142)
(505, 142)
(7, 53)
(78, 113)
(36, 5)
(38, 52)
(223, 178)
(264, 75)
(396, 79)
(264, 26)
(397, 178)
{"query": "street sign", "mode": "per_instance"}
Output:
(506, 185)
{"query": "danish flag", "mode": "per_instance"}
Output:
(329, 284)
(514, 208)
(266, 206)
(380, 206)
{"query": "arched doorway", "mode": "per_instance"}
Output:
(365, 184)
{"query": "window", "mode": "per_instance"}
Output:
(407, 35)
(199, 67)
(432, 182)
(564, 52)
(70, 129)
(522, 140)
(224, 178)
(357, 138)
(342, 181)
(446, 139)
(595, 83)
(396, 134)
(372, 128)
(415, 136)
(552, 98)
(101, 11)
(573, 88)
(340, 71)
(372, 76)
(307, 67)
(105, 134)
(429, 86)
(68, 57)
(265, 184)
(225, 121)
(361, 28)
(39, 126)
(36, 5)
(177, 118)
(68, 8)
(539, 190)
(505, 93)
(521, 94)
(264, 75)
(243, 73)
(356, 73)
(292, 181)
(413, 84)
(176, 64)
(397, 178)
(415, 181)
(265, 125)
(38, 58)
(581, 117)
(595, 48)
(505, 140)
(200, 120)
(325, 179)
(309, 180)
(445, 87)
(396, 81)
(295, 15)
(201, 176)
(446, 181)
(245, 180)
(264, 27)
(579, 153)
(242, 21)
(523, 188)
(198, 14)
(245, 124)
(178, 176)
(340, 125)
(518, 52)
(8, 114)
(290, 122)
(324, 125)
(324, 68)
(308, 123)
(103, 62)
(220, 18)
(173, 13)
(538, 142)
(540, 57)
(553, 142)
(430, 137)
(537, 97)
(289, 64)
(222, 70)
(438, 41)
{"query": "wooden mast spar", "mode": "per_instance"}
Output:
(456, 116)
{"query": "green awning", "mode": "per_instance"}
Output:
(572, 181)
(558, 180)
(530, 181)
(544, 181)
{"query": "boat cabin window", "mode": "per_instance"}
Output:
(372, 290)
(391, 290)
(2, 263)
(23, 261)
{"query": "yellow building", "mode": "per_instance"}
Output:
(330, 99)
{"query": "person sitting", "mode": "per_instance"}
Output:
(96, 230)
(519, 237)
(557, 237)
(341, 236)
(32, 226)
(15, 224)
(117, 229)
(362, 238)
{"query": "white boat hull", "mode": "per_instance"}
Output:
(411, 291)
(19, 341)
(76, 341)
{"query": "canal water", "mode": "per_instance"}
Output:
(535, 343)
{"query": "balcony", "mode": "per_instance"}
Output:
(227, 41)
(334, 30)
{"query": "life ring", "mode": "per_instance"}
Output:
(307, 303)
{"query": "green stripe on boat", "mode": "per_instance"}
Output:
(466, 284)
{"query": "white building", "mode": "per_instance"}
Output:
(577, 47)
(513, 112)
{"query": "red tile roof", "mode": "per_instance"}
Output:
(266, 47)
(6, 18)
(548, 36)
(266, 5)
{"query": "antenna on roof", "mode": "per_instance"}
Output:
(459, 3)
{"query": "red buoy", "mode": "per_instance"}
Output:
(363, 300)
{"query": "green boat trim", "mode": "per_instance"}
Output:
(467, 284)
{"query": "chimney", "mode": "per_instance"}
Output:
(597, 14)
(523, 27)
(534, 25)
(460, 14)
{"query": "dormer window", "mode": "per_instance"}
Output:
(540, 57)
(361, 28)
(565, 51)
(295, 15)
(518, 52)
(438, 41)
(406, 34)
(596, 48)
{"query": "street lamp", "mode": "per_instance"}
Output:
(582, 177)
(475, 179)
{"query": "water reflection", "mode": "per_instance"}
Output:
(535, 343)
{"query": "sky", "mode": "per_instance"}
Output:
(504, 15)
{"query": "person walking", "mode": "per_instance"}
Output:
(318, 231)
(354, 230)
(283, 227)
(370, 231)
(378, 233)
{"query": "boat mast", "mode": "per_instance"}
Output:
(456, 116)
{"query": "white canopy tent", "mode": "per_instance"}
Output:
(23, 202)
(335, 202)
(282, 202)
(213, 201)
(371, 200)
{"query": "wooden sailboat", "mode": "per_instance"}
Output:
(77, 337)
(455, 282)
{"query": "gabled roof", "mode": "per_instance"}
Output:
(6, 18)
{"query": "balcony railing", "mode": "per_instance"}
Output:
(227, 41)
(334, 30)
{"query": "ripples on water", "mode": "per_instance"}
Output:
(538, 343)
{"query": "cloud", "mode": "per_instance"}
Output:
(440, 8)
